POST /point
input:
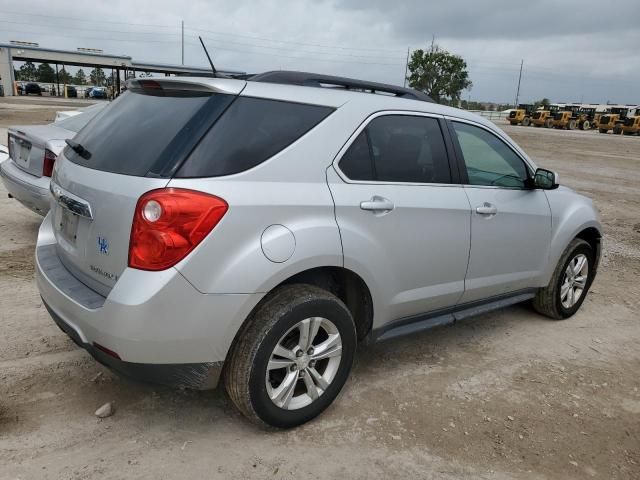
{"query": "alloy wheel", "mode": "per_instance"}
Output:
(574, 281)
(303, 363)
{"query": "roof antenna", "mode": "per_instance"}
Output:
(213, 68)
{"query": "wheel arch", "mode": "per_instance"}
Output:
(347, 285)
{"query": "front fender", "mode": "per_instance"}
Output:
(571, 213)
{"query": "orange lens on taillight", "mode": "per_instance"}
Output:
(169, 223)
(49, 162)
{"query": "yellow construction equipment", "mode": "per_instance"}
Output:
(631, 124)
(567, 118)
(613, 120)
(521, 115)
(544, 116)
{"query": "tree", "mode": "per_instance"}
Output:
(542, 103)
(97, 77)
(64, 76)
(440, 74)
(28, 72)
(80, 78)
(45, 73)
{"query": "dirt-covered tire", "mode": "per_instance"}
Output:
(253, 374)
(549, 300)
(603, 130)
(526, 121)
(548, 123)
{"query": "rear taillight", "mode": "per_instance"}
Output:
(169, 223)
(49, 161)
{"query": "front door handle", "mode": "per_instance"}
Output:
(377, 204)
(486, 209)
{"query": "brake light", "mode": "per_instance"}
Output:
(169, 223)
(49, 161)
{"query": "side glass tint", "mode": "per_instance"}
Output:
(399, 149)
(356, 162)
(488, 160)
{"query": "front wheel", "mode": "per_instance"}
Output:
(292, 357)
(569, 284)
(526, 121)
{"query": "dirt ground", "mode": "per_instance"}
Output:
(507, 395)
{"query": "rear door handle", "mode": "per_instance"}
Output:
(486, 209)
(377, 204)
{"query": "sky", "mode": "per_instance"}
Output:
(573, 50)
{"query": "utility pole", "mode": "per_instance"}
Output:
(518, 90)
(182, 25)
(406, 67)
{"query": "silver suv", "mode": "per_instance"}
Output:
(257, 231)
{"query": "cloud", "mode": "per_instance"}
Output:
(572, 50)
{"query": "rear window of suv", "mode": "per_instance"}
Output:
(251, 131)
(147, 132)
(190, 134)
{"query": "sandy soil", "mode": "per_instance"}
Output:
(502, 396)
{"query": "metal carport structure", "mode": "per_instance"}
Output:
(10, 53)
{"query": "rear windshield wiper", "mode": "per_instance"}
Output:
(79, 149)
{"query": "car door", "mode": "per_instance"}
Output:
(510, 222)
(403, 220)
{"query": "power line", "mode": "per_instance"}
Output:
(110, 39)
(288, 50)
(339, 47)
(89, 29)
(84, 19)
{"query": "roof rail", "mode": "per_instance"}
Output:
(318, 80)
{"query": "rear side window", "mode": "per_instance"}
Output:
(147, 132)
(400, 149)
(251, 131)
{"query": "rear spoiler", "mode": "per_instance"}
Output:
(188, 84)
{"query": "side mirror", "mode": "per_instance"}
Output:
(545, 179)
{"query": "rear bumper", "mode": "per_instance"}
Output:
(161, 327)
(31, 191)
(200, 376)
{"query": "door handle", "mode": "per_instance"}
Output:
(377, 204)
(486, 209)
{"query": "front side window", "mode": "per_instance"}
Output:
(398, 149)
(488, 160)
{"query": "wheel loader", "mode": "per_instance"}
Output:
(521, 115)
(587, 118)
(631, 124)
(544, 116)
(567, 118)
(613, 120)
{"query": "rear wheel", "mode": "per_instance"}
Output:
(571, 125)
(526, 121)
(617, 130)
(548, 123)
(514, 123)
(603, 130)
(585, 125)
(569, 283)
(292, 358)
